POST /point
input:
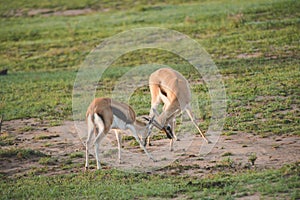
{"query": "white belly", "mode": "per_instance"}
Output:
(118, 123)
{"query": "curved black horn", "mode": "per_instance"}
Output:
(146, 118)
(153, 122)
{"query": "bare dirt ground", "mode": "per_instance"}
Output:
(46, 12)
(229, 154)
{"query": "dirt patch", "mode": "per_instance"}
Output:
(64, 148)
(253, 55)
(58, 143)
(46, 12)
(49, 12)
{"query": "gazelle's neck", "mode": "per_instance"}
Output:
(140, 125)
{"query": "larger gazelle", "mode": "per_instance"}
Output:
(105, 114)
(169, 87)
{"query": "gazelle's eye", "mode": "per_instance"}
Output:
(168, 131)
(169, 128)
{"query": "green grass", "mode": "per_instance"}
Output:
(20, 153)
(63, 42)
(76, 155)
(48, 161)
(45, 137)
(259, 89)
(36, 94)
(254, 43)
(113, 184)
(6, 139)
(9, 8)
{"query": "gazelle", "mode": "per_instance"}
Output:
(169, 87)
(105, 114)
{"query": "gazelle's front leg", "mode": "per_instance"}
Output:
(154, 104)
(155, 101)
(174, 135)
(134, 133)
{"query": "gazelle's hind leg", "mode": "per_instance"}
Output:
(119, 139)
(155, 98)
(190, 114)
(88, 140)
(100, 125)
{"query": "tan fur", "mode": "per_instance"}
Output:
(104, 114)
(169, 87)
(176, 88)
(103, 107)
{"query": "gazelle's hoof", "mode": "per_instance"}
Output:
(207, 141)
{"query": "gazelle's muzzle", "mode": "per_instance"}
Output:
(144, 141)
(152, 122)
(168, 131)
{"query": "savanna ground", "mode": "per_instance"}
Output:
(255, 45)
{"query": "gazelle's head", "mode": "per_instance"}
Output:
(144, 129)
(153, 123)
(168, 130)
(164, 126)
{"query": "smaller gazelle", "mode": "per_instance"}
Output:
(169, 87)
(105, 114)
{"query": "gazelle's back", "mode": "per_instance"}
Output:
(171, 83)
(107, 108)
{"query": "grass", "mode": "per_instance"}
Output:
(45, 137)
(20, 153)
(76, 155)
(255, 45)
(6, 139)
(48, 161)
(113, 184)
(256, 54)
(252, 158)
(36, 94)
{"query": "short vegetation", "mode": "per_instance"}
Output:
(254, 43)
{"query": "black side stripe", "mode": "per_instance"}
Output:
(120, 115)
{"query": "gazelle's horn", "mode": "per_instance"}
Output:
(153, 121)
(155, 112)
(148, 119)
(172, 115)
